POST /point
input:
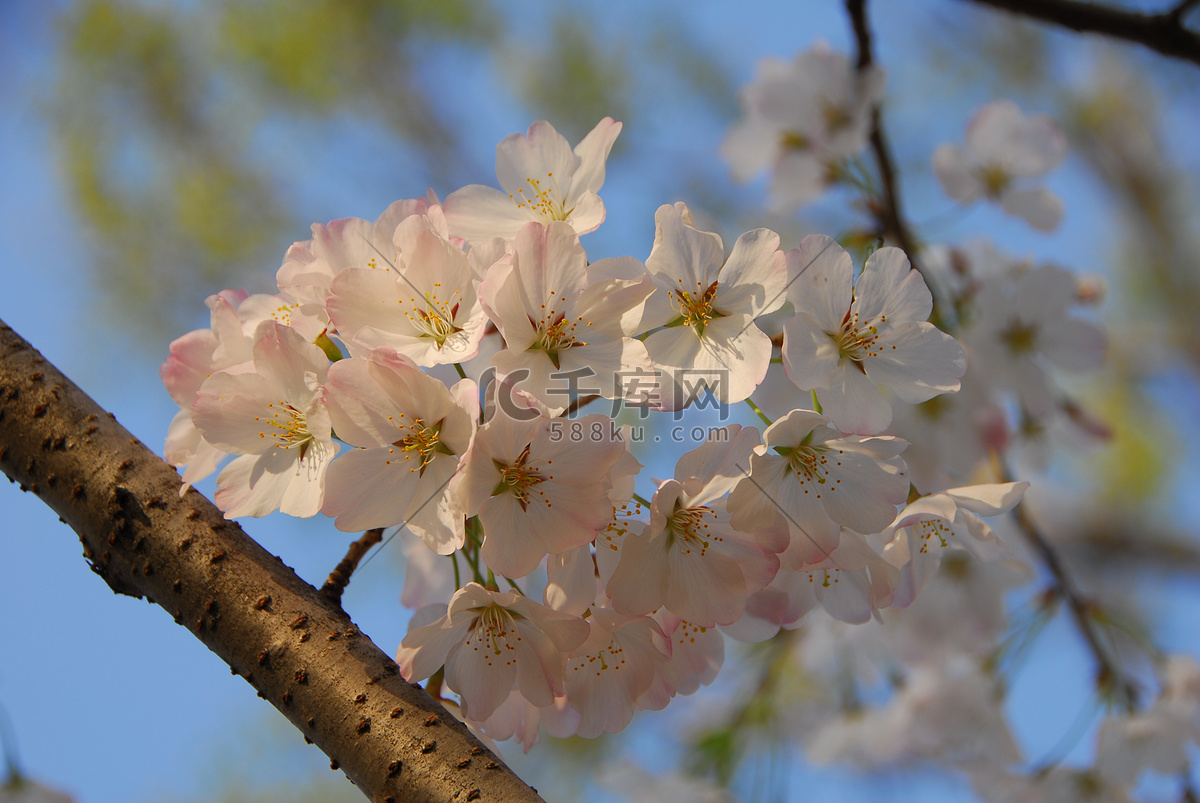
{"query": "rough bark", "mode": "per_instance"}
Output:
(1163, 33)
(298, 648)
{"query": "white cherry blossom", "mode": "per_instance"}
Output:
(610, 672)
(1003, 149)
(688, 558)
(492, 643)
(543, 180)
(310, 266)
(227, 345)
(927, 526)
(276, 419)
(563, 318)
(802, 118)
(411, 431)
(848, 338)
(422, 301)
(708, 305)
(1025, 326)
(819, 481)
(535, 490)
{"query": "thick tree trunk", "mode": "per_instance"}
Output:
(294, 645)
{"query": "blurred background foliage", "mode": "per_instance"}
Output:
(196, 140)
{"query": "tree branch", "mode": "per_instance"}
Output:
(339, 578)
(295, 646)
(887, 210)
(894, 224)
(1109, 672)
(1163, 33)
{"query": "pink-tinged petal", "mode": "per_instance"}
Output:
(683, 258)
(535, 162)
(810, 356)
(889, 286)
(566, 631)
(424, 649)
(573, 516)
(533, 368)
(483, 671)
(993, 129)
(362, 298)
(370, 488)
(750, 146)
(866, 498)
(706, 588)
(711, 470)
(989, 500)
(539, 666)
(510, 546)
(256, 485)
(583, 460)
(587, 213)
(436, 515)
(287, 360)
(772, 608)
(799, 177)
(755, 274)
(739, 352)
(304, 494)
(593, 152)
(502, 300)
(234, 412)
(953, 169)
(846, 596)
(571, 581)
(550, 263)
(188, 365)
(465, 394)
(477, 213)
(611, 670)
(206, 461)
(756, 553)
(615, 304)
(182, 441)
(854, 403)
(696, 657)
(360, 412)
(1037, 206)
(639, 585)
(917, 362)
(543, 638)
(821, 276)
(916, 569)
(1074, 344)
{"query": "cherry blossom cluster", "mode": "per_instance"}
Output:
(427, 372)
(924, 680)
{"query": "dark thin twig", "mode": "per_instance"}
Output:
(1163, 33)
(1181, 10)
(887, 209)
(339, 578)
(8, 747)
(892, 220)
(1080, 608)
(580, 401)
(1189, 791)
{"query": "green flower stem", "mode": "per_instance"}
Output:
(759, 413)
